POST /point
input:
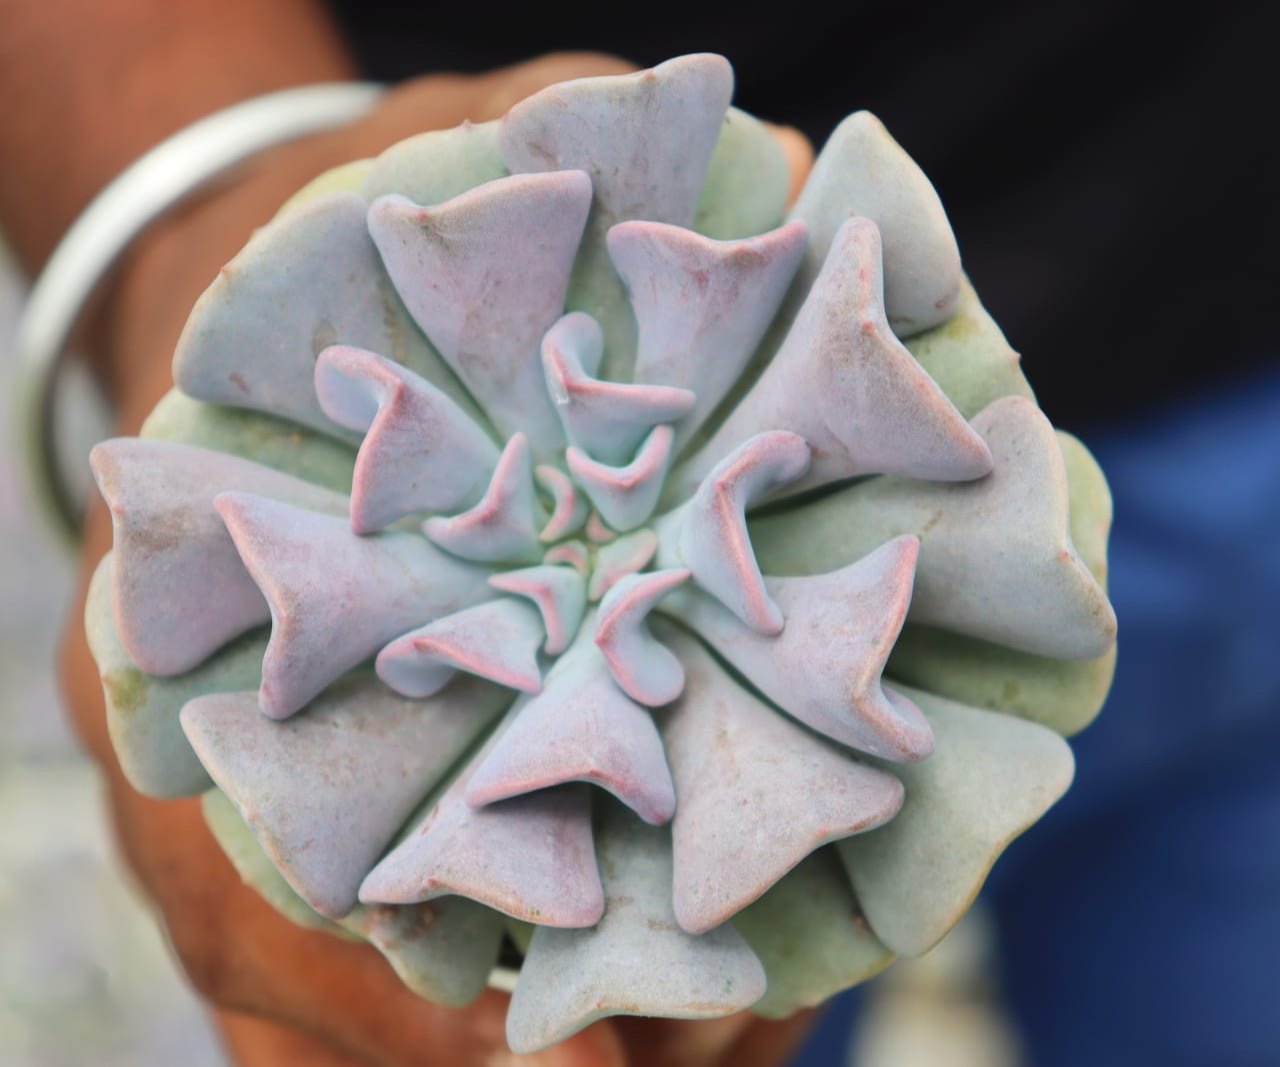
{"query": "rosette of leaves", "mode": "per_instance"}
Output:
(551, 537)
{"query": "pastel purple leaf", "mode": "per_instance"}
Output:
(846, 384)
(646, 669)
(336, 598)
(485, 276)
(484, 854)
(702, 306)
(625, 496)
(421, 451)
(862, 171)
(497, 640)
(559, 594)
(708, 535)
(825, 665)
(503, 527)
(996, 556)
(568, 505)
(645, 139)
(618, 558)
(173, 552)
(580, 728)
(756, 793)
(308, 279)
(325, 792)
(811, 937)
(605, 419)
(636, 960)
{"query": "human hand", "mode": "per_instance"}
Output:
(284, 994)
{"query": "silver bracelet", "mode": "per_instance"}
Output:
(167, 174)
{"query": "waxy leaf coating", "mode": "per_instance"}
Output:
(552, 540)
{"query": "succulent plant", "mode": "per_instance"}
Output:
(545, 454)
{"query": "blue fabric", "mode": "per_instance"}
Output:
(1139, 922)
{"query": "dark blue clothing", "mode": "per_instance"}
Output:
(1139, 921)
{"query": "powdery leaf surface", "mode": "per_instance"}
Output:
(751, 526)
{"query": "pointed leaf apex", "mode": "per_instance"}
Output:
(647, 670)
(709, 534)
(503, 526)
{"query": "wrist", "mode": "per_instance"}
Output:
(130, 74)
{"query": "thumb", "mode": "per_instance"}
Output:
(798, 149)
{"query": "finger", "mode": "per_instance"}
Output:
(798, 149)
(681, 1042)
(513, 84)
(770, 1042)
(440, 101)
(253, 1042)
